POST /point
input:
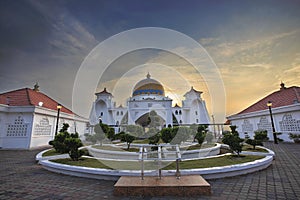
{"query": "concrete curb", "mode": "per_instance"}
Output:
(107, 174)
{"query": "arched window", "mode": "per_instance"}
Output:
(197, 120)
(121, 112)
(180, 121)
(101, 114)
(117, 123)
(117, 113)
(176, 112)
(196, 113)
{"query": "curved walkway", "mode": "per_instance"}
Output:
(22, 178)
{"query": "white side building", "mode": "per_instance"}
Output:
(28, 119)
(285, 110)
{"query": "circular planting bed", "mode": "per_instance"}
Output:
(111, 168)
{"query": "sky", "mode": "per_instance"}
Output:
(254, 44)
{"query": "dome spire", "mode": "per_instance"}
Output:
(148, 75)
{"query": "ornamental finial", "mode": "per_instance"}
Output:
(36, 87)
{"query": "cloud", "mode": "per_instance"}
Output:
(48, 46)
(292, 74)
(254, 68)
(258, 65)
(68, 34)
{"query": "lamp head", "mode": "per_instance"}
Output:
(269, 104)
(59, 106)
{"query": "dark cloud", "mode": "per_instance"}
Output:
(46, 41)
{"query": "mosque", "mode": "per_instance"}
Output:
(149, 95)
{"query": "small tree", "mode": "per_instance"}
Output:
(167, 135)
(108, 131)
(73, 143)
(233, 140)
(201, 133)
(154, 139)
(125, 137)
(65, 142)
(259, 137)
(59, 140)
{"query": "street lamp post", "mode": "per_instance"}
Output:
(269, 104)
(57, 118)
(213, 118)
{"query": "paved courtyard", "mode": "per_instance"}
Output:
(22, 178)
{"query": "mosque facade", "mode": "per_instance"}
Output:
(149, 95)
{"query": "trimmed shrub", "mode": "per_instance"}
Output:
(259, 137)
(65, 142)
(233, 140)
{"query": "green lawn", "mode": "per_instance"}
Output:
(198, 146)
(145, 141)
(83, 162)
(214, 162)
(136, 165)
(247, 147)
(110, 148)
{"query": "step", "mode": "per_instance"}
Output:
(189, 185)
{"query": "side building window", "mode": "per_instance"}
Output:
(18, 128)
(264, 124)
(289, 124)
(247, 126)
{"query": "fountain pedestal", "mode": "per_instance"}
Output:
(190, 185)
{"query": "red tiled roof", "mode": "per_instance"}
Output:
(30, 97)
(283, 97)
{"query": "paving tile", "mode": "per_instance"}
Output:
(22, 178)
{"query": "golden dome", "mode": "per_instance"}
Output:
(148, 86)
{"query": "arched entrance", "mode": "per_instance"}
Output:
(151, 120)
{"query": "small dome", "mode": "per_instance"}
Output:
(148, 86)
